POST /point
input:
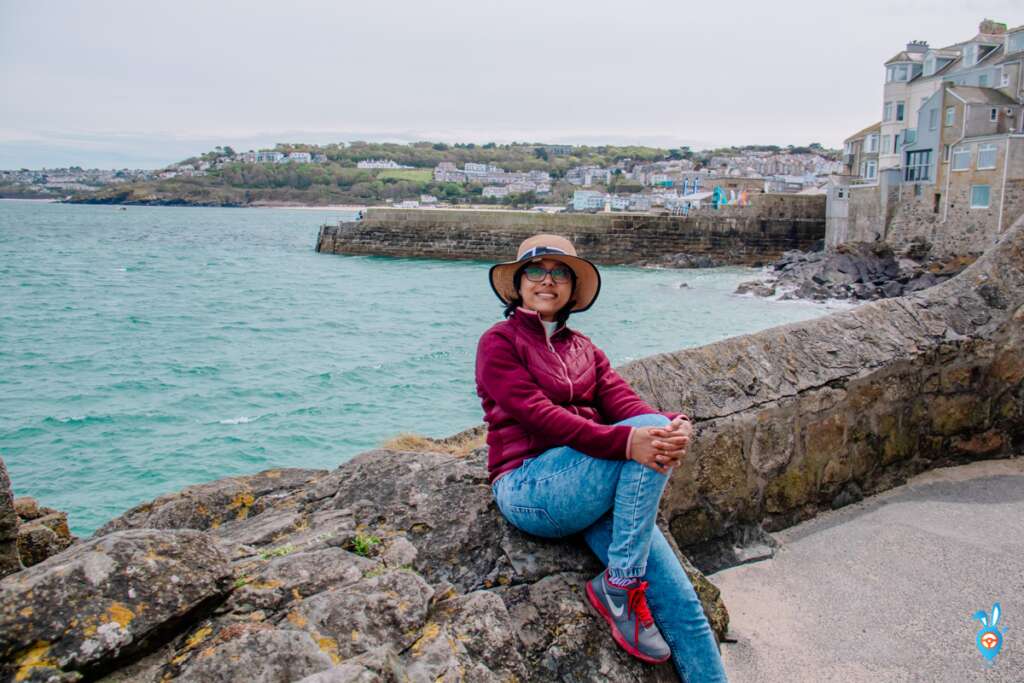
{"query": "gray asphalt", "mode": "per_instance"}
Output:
(885, 590)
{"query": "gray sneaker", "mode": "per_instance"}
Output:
(626, 611)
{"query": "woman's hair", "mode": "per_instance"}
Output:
(516, 301)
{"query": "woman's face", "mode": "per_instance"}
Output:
(547, 297)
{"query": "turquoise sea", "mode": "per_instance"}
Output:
(146, 349)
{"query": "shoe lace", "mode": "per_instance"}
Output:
(637, 604)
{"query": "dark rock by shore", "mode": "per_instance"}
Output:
(396, 566)
(860, 271)
(683, 260)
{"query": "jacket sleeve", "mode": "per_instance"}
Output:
(615, 398)
(504, 378)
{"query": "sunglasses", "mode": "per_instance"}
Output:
(560, 274)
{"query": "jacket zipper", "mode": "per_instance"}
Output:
(565, 368)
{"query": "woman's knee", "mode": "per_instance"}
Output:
(646, 420)
(648, 476)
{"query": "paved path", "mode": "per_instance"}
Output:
(884, 590)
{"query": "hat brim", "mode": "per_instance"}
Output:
(588, 279)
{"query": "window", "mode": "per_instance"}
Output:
(983, 81)
(1004, 77)
(887, 144)
(929, 66)
(979, 196)
(899, 111)
(1015, 42)
(848, 148)
(987, 155)
(970, 55)
(933, 119)
(950, 113)
(961, 158)
(869, 169)
(897, 72)
(993, 114)
(918, 166)
(871, 144)
(887, 112)
(945, 154)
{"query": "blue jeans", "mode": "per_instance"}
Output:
(615, 503)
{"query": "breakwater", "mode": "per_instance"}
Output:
(748, 235)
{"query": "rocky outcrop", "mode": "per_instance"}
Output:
(42, 531)
(856, 271)
(815, 415)
(82, 611)
(396, 566)
(10, 561)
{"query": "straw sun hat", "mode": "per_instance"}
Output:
(537, 248)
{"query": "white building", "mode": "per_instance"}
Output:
(587, 200)
(382, 163)
(268, 156)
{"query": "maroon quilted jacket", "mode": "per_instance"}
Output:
(538, 394)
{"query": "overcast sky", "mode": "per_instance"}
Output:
(113, 83)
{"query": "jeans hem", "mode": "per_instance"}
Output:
(628, 572)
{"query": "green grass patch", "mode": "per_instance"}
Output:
(417, 175)
(363, 544)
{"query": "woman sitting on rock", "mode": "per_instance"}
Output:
(572, 448)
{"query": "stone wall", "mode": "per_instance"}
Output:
(813, 415)
(915, 217)
(867, 214)
(941, 213)
(771, 225)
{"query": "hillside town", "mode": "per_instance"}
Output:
(58, 182)
(947, 151)
(678, 185)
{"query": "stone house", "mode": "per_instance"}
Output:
(951, 148)
(860, 153)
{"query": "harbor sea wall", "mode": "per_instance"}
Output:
(760, 232)
(815, 415)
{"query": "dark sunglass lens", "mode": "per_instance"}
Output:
(560, 274)
(535, 273)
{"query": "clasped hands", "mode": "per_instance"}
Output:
(661, 448)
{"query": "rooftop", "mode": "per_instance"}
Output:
(873, 128)
(974, 95)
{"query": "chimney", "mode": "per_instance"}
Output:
(992, 28)
(919, 46)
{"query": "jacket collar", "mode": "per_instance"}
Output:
(529, 320)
